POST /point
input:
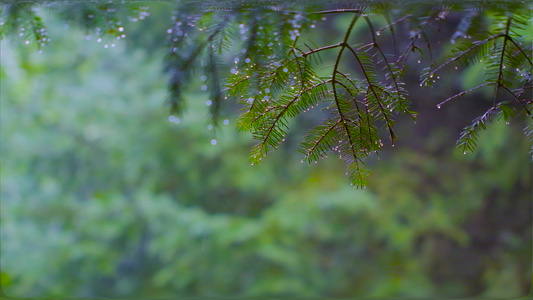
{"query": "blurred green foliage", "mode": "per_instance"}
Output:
(102, 196)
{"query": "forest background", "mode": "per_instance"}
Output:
(104, 195)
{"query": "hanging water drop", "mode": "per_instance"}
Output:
(226, 122)
(203, 78)
(208, 102)
(209, 127)
(438, 106)
(99, 40)
(285, 70)
(213, 142)
(233, 71)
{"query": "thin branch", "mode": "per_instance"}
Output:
(304, 54)
(528, 112)
(465, 92)
(521, 50)
(371, 87)
(334, 86)
(502, 56)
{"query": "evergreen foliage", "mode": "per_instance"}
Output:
(277, 75)
(103, 198)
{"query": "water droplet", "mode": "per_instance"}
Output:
(213, 142)
(174, 120)
(209, 127)
(204, 87)
(378, 33)
(250, 100)
(26, 42)
(247, 60)
(106, 46)
(203, 78)
(285, 70)
(113, 45)
(99, 40)
(226, 122)
(208, 102)
(88, 37)
(507, 123)
(123, 36)
(313, 25)
(233, 71)
(267, 90)
(120, 29)
(419, 61)
(236, 60)
(438, 106)
(179, 33)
